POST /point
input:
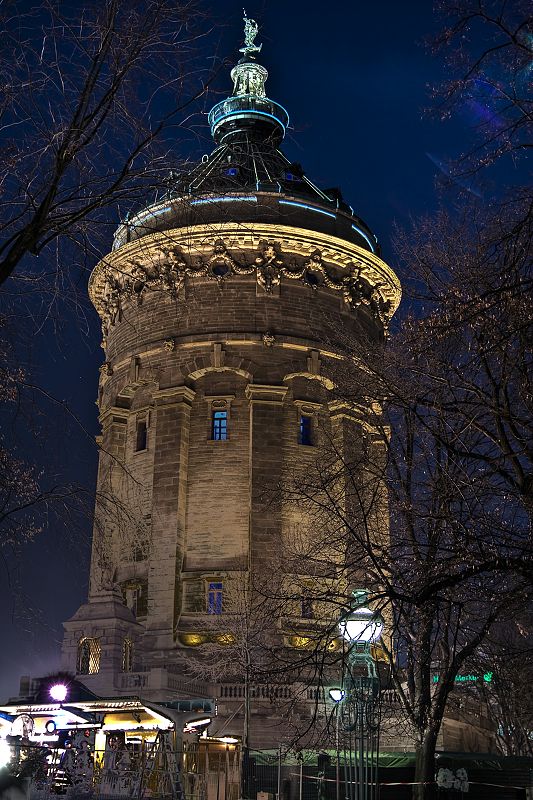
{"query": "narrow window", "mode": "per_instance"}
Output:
(219, 426)
(135, 595)
(194, 596)
(140, 550)
(88, 662)
(127, 655)
(214, 598)
(307, 608)
(140, 600)
(141, 435)
(306, 430)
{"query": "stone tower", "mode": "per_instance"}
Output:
(217, 306)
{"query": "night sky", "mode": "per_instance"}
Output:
(354, 78)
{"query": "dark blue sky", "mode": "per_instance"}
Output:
(354, 78)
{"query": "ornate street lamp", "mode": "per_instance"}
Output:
(361, 627)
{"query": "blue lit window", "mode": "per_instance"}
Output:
(219, 426)
(214, 598)
(306, 430)
(232, 172)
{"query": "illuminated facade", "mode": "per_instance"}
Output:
(217, 305)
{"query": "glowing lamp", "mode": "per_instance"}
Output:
(337, 695)
(194, 725)
(362, 625)
(58, 692)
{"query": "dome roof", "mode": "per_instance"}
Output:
(246, 167)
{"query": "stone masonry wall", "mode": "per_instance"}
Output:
(207, 507)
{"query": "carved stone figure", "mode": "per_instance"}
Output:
(314, 262)
(353, 289)
(314, 270)
(251, 29)
(356, 291)
(110, 304)
(170, 279)
(378, 305)
(220, 264)
(106, 369)
(269, 264)
(139, 278)
(171, 271)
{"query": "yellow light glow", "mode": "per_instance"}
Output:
(192, 639)
(300, 642)
(134, 726)
(99, 741)
(225, 638)
(378, 654)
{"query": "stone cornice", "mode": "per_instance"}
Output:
(271, 252)
(262, 393)
(174, 395)
(114, 414)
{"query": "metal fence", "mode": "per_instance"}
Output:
(205, 772)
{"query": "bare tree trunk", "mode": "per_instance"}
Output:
(425, 788)
(246, 736)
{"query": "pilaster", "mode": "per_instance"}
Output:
(172, 410)
(266, 465)
(112, 447)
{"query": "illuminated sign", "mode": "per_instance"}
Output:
(485, 678)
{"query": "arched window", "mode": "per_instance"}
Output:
(127, 655)
(88, 656)
(219, 417)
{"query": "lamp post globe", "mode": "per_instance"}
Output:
(358, 713)
(362, 626)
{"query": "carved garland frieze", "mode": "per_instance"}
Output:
(168, 270)
(221, 264)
